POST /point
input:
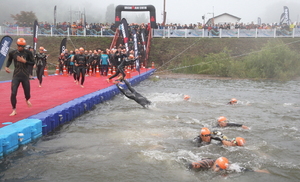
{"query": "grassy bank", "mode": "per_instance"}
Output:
(260, 58)
(255, 58)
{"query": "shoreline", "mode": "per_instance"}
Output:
(192, 76)
(209, 77)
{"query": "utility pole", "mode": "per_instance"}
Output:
(164, 14)
(213, 16)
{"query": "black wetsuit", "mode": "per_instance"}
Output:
(134, 95)
(94, 61)
(82, 62)
(208, 163)
(231, 125)
(125, 62)
(204, 164)
(20, 75)
(40, 65)
(199, 142)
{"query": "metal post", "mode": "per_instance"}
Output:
(256, 33)
(294, 32)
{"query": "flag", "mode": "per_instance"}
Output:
(84, 18)
(136, 50)
(35, 35)
(143, 38)
(125, 33)
(55, 15)
(285, 16)
(4, 47)
(63, 46)
(259, 21)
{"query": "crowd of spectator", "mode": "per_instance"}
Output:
(98, 26)
(236, 25)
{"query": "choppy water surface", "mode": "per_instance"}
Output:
(121, 141)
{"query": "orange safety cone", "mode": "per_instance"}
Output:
(97, 71)
(128, 75)
(65, 71)
(57, 70)
(114, 70)
(109, 73)
(45, 71)
(90, 71)
(153, 65)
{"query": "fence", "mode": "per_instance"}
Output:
(101, 32)
(225, 33)
(165, 33)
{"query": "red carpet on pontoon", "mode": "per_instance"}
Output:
(55, 91)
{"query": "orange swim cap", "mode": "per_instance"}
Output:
(21, 42)
(131, 56)
(233, 100)
(222, 118)
(186, 97)
(240, 141)
(205, 131)
(222, 162)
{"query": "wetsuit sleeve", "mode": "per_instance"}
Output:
(234, 124)
(10, 58)
(75, 59)
(246, 170)
(29, 58)
(198, 141)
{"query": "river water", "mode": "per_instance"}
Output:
(121, 141)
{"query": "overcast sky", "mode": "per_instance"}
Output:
(178, 11)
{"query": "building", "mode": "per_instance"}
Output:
(223, 18)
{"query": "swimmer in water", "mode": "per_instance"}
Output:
(223, 122)
(205, 138)
(238, 141)
(134, 95)
(232, 101)
(220, 164)
(186, 97)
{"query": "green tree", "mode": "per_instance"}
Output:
(24, 16)
(110, 13)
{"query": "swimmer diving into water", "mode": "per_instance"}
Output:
(134, 95)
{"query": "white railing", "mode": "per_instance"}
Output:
(100, 32)
(225, 33)
(164, 33)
